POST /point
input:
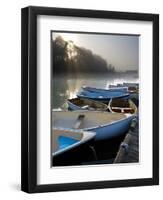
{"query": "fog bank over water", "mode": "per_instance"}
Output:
(119, 51)
(91, 60)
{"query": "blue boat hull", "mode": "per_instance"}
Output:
(112, 130)
(103, 99)
(102, 96)
(105, 91)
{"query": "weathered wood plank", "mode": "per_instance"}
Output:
(129, 148)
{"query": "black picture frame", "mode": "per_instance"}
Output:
(29, 98)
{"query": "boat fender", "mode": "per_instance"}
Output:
(125, 146)
(133, 124)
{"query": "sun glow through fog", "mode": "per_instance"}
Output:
(68, 37)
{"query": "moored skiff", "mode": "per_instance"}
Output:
(103, 97)
(106, 125)
(86, 104)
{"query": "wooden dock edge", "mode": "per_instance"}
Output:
(129, 148)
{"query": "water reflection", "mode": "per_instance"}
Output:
(64, 88)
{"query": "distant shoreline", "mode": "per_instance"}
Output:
(97, 74)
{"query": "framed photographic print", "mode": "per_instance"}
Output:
(90, 99)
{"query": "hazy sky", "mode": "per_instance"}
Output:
(122, 51)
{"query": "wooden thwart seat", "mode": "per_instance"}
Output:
(123, 110)
(78, 122)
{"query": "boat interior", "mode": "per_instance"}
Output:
(88, 104)
(133, 89)
(84, 119)
(122, 106)
(62, 138)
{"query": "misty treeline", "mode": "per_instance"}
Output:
(70, 59)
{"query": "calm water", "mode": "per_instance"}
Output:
(64, 87)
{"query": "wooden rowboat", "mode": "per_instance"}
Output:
(86, 104)
(103, 96)
(106, 125)
(136, 85)
(122, 106)
(131, 87)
